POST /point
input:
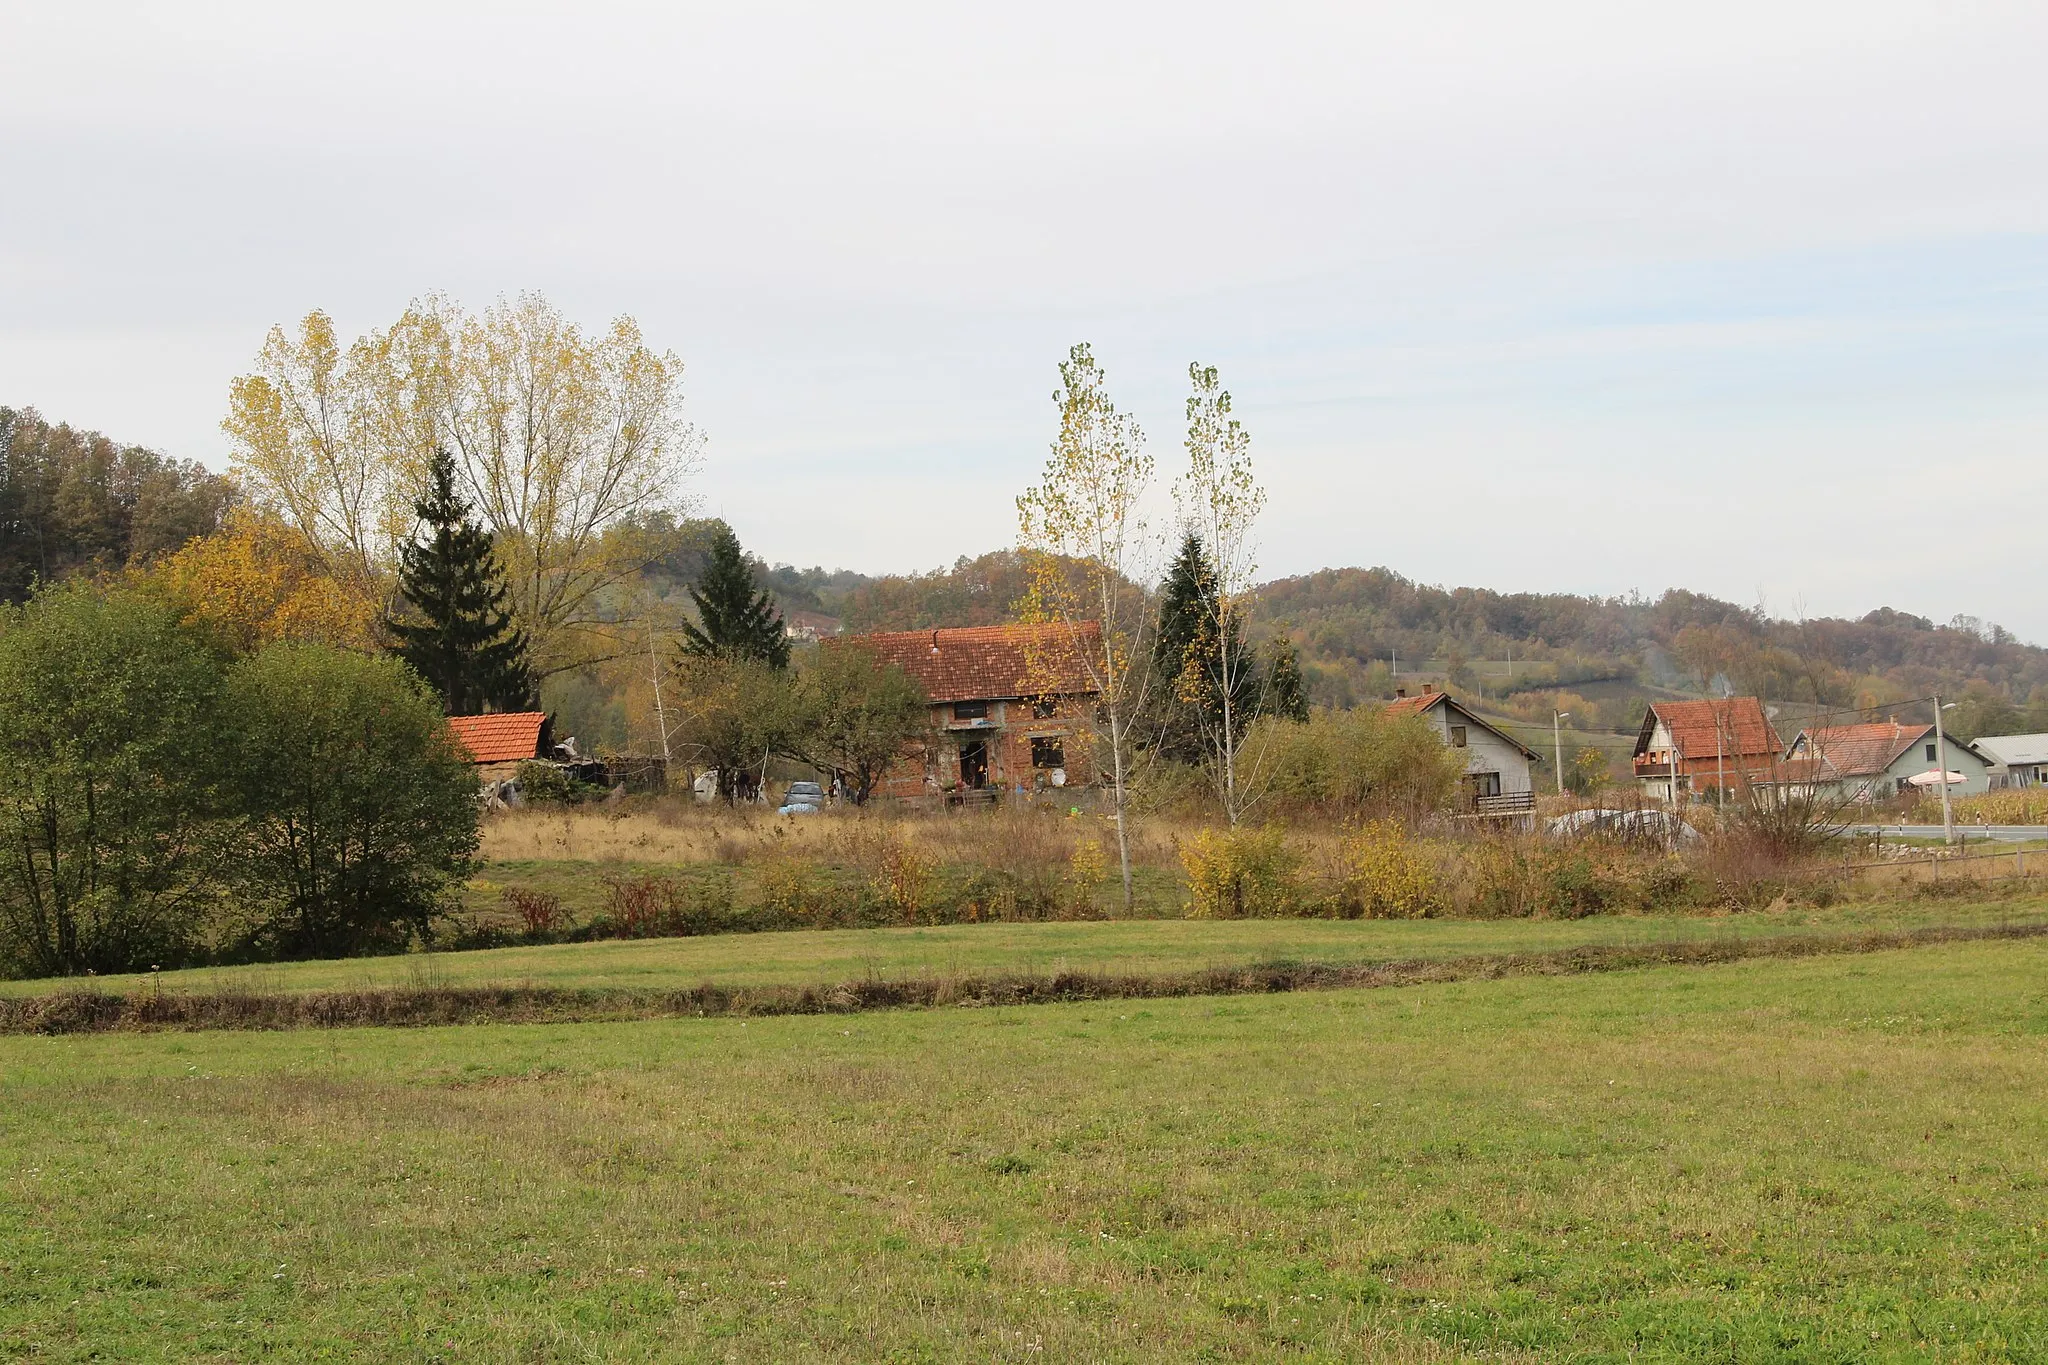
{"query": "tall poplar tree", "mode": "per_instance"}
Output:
(1083, 539)
(735, 619)
(463, 642)
(1220, 501)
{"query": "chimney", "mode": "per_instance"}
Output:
(1429, 689)
(1400, 691)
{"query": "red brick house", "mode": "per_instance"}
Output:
(1690, 746)
(1012, 708)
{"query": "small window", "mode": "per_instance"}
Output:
(1045, 708)
(1048, 752)
(1457, 736)
(970, 710)
(1930, 753)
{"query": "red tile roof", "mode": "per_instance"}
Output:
(1858, 750)
(988, 663)
(502, 737)
(1734, 727)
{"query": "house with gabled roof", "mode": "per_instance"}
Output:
(499, 742)
(1497, 776)
(1012, 707)
(1876, 760)
(1688, 747)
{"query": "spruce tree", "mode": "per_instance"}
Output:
(1188, 660)
(735, 620)
(463, 641)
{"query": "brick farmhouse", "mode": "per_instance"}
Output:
(1012, 708)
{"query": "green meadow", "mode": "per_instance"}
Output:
(1828, 1159)
(833, 956)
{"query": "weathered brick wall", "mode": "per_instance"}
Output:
(934, 767)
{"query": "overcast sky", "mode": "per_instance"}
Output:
(1584, 297)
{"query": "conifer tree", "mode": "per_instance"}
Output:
(735, 620)
(1190, 664)
(1286, 697)
(463, 642)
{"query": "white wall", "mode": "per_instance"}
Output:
(1485, 752)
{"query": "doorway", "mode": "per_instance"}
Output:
(974, 764)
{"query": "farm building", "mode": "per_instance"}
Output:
(498, 743)
(1011, 708)
(2016, 760)
(1497, 779)
(1685, 747)
(1879, 760)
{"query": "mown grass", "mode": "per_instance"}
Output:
(1823, 1159)
(828, 957)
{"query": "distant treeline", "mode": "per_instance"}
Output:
(73, 499)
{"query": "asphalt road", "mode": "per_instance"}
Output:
(2005, 834)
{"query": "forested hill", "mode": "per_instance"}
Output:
(1354, 626)
(1348, 621)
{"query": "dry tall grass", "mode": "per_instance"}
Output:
(1007, 838)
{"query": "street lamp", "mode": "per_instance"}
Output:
(1557, 719)
(1948, 820)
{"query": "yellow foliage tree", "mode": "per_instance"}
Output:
(568, 443)
(257, 581)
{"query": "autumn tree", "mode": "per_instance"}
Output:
(559, 437)
(337, 442)
(735, 620)
(256, 581)
(459, 637)
(563, 435)
(1219, 502)
(1083, 537)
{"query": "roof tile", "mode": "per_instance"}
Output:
(988, 663)
(501, 737)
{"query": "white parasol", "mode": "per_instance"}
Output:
(1931, 778)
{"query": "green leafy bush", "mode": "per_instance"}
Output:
(358, 812)
(113, 824)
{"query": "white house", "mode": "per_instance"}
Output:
(2016, 760)
(1497, 779)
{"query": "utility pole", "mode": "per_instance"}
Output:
(1948, 820)
(1557, 745)
(1671, 735)
(1720, 761)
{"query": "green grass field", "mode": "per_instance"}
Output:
(1828, 1159)
(829, 957)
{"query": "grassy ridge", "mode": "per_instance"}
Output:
(829, 957)
(1824, 1159)
(98, 1012)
